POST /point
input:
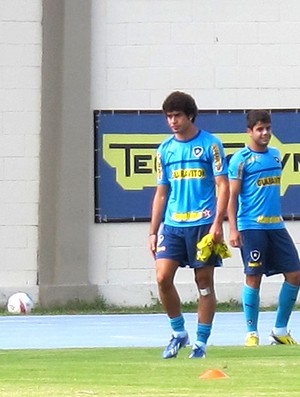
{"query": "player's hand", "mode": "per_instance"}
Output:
(235, 239)
(217, 232)
(152, 242)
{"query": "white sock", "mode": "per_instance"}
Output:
(280, 331)
(198, 343)
(181, 334)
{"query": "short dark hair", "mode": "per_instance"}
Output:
(180, 101)
(256, 116)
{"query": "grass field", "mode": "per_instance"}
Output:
(263, 371)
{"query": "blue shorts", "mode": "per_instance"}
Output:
(179, 244)
(268, 252)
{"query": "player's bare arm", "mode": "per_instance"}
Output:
(223, 195)
(235, 239)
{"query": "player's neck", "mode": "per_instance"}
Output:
(258, 148)
(187, 134)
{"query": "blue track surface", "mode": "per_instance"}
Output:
(133, 330)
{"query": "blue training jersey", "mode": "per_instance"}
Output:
(189, 168)
(259, 205)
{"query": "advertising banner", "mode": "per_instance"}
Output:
(125, 149)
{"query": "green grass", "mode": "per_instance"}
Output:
(263, 371)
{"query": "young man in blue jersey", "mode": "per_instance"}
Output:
(257, 227)
(190, 165)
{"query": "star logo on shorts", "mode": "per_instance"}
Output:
(255, 255)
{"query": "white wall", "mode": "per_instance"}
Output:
(20, 114)
(229, 55)
(60, 60)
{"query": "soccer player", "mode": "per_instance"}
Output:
(257, 227)
(190, 165)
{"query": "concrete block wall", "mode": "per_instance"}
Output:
(20, 113)
(228, 55)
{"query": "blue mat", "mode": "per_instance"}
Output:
(133, 330)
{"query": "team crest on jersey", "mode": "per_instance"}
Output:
(277, 159)
(255, 255)
(197, 151)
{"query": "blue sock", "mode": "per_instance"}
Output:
(286, 302)
(251, 301)
(177, 323)
(203, 332)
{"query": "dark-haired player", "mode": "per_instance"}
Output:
(257, 227)
(190, 165)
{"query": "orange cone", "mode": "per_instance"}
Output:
(213, 374)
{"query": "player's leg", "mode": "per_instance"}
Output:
(253, 256)
(283, 258)
(170, 254)
(286, 301)
(204, 278)
(250, 302)
(165, 273)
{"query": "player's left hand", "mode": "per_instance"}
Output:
(217, 232)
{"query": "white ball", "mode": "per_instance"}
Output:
(19, 303)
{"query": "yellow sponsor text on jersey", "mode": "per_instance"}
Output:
(188, 173)
(268, 181)
(186, 216)
(268, 219)
(158, 167)
(217, 158)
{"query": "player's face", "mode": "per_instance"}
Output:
(260, 135)
(178, 122)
